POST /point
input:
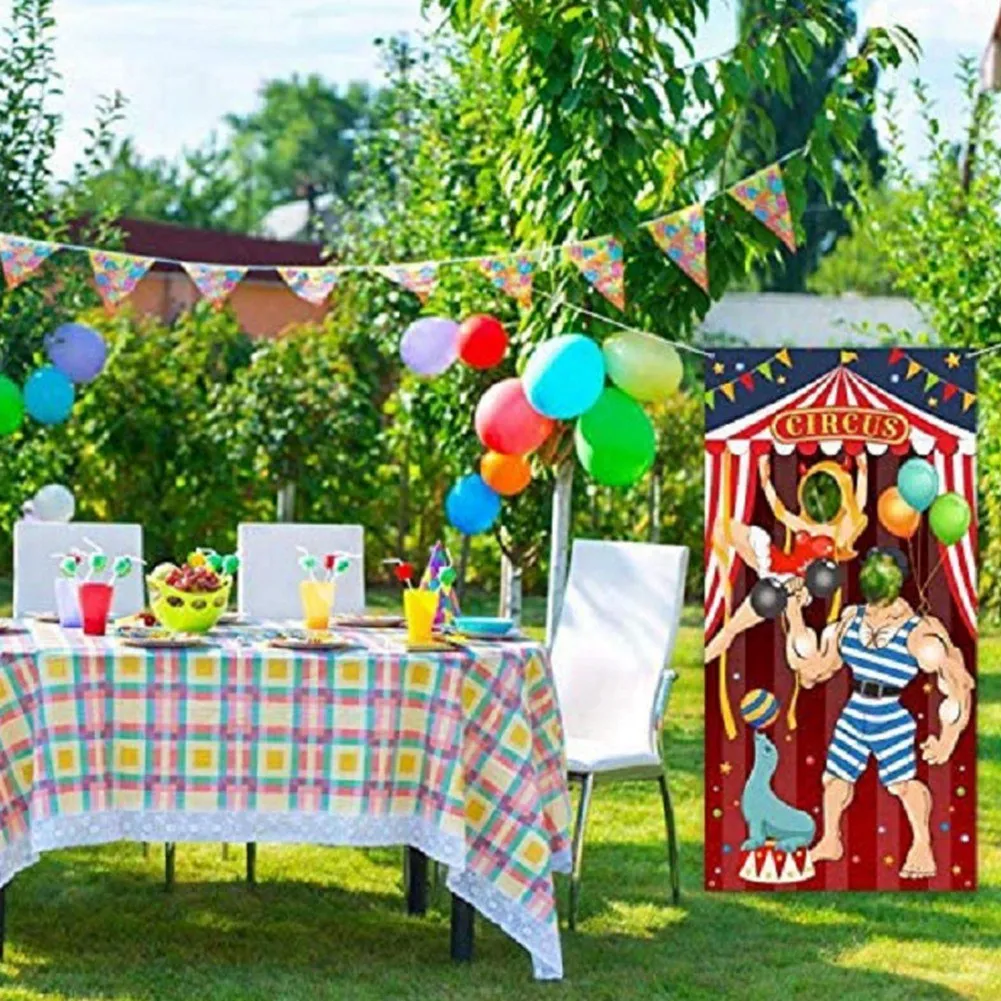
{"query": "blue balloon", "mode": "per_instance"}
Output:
(471, 506)
(565, 376)
(48, 395)
(918, 484)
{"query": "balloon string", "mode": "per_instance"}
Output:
(925, 604)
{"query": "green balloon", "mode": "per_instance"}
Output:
(949, 518)
(615, 440)
(11, 406)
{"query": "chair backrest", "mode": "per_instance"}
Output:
(268, 583)
(35, 569)
(615, 636)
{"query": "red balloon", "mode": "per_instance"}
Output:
(506, 422)
(482, 341)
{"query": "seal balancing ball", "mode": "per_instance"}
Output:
(759, 709)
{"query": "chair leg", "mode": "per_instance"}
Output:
(169, 860)
(225, 851)
(145, 849)
(583, 807)
(251, 862)
(672, 840)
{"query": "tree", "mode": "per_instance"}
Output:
(301, 140)
(782, 119)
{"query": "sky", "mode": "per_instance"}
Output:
(184, 64)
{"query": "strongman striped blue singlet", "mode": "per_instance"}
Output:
(878, 726)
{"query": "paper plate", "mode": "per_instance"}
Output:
(317, 645)
(435, 646)
(8, 628)
(157, 642)
(370, 621)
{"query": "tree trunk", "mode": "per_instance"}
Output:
(286, 502)
(460, 584)
(510, 590)
(559, 545)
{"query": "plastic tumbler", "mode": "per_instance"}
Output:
(95, 601)
(317, 602)
(419, 609)
(68, 603)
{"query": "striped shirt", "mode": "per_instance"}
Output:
(890, 664)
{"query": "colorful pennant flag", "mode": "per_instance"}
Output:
(896, 355)
(765, 370)
(726, 388)
(783, 356)
(682, 236)
(420, 279)
(22, 257)
(912, 368)
(215, 281)
(512, 276)
(949, 391)
(710, 399)
(312, 284)
(116, 275)
(931, 380)
(764, 196)
(600, 262)
(968, 401)
(847, 357)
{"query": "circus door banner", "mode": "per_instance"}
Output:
(841, 620)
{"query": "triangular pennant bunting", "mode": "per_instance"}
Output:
(513, 276)
(968, 401)
(847, 357)
(747, 381)
(912, 369)
(116, 275)
(726, 388)
(682, 236)
(783, 356)
(215, 281)
(896, 354)
(21, 257)
(420, 279)
(931, 380)
(600, 262)
(764, 196)
(765, 370)
(949, 391)
(710, 399)
(312, 284)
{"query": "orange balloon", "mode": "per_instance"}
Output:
(896, 515)
(506, 474)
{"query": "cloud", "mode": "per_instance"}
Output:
(964, 23)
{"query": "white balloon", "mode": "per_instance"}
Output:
(54, 502)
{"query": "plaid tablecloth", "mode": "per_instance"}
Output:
(459, 754)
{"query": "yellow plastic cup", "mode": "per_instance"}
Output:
(419, 609)
(317, 602)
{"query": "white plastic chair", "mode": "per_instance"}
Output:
(268, 584)
(611, 661)
(35, 569)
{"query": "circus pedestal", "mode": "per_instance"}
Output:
(772, 867)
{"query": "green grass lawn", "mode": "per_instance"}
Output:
(330, 923)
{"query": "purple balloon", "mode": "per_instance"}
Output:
(78, 352)
(430, 345)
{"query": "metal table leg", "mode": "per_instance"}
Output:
(462, 930)
(416, 876)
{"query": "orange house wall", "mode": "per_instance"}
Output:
(263, 308)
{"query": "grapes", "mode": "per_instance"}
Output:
(194, 579)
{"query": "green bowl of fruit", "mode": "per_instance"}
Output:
(190, 598)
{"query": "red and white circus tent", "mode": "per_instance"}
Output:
(732, 453)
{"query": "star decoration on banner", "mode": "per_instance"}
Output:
(719, 368)
(952, 359)
(725, 767)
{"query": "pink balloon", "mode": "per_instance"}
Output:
(506, 422)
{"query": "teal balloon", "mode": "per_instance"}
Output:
(918, 484)
(564, 376)
(949, 518)
(471, 506)
(48, 395)
(615, 440)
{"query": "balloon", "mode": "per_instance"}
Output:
(471, 506)
(917, 482)
(506, 422)
(769, 598)
(564, 376)
(429, 345)
(11, 406)
(896, 515)
(823, 578)
(642, 365)
(482, 341)
(759, 709)
(615, 440)
(53, 502)
(78, 352)
(506, 474)
(949, 518)
(48, 395)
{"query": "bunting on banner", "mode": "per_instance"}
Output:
(116, 275)
(513, 276)
(682, 236)
(947, 388)
(312, 284)
(22, 257)
(764, 196)
(215, 281)
(421, 279)
(600, 262)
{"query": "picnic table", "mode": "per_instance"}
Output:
(457, 754)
